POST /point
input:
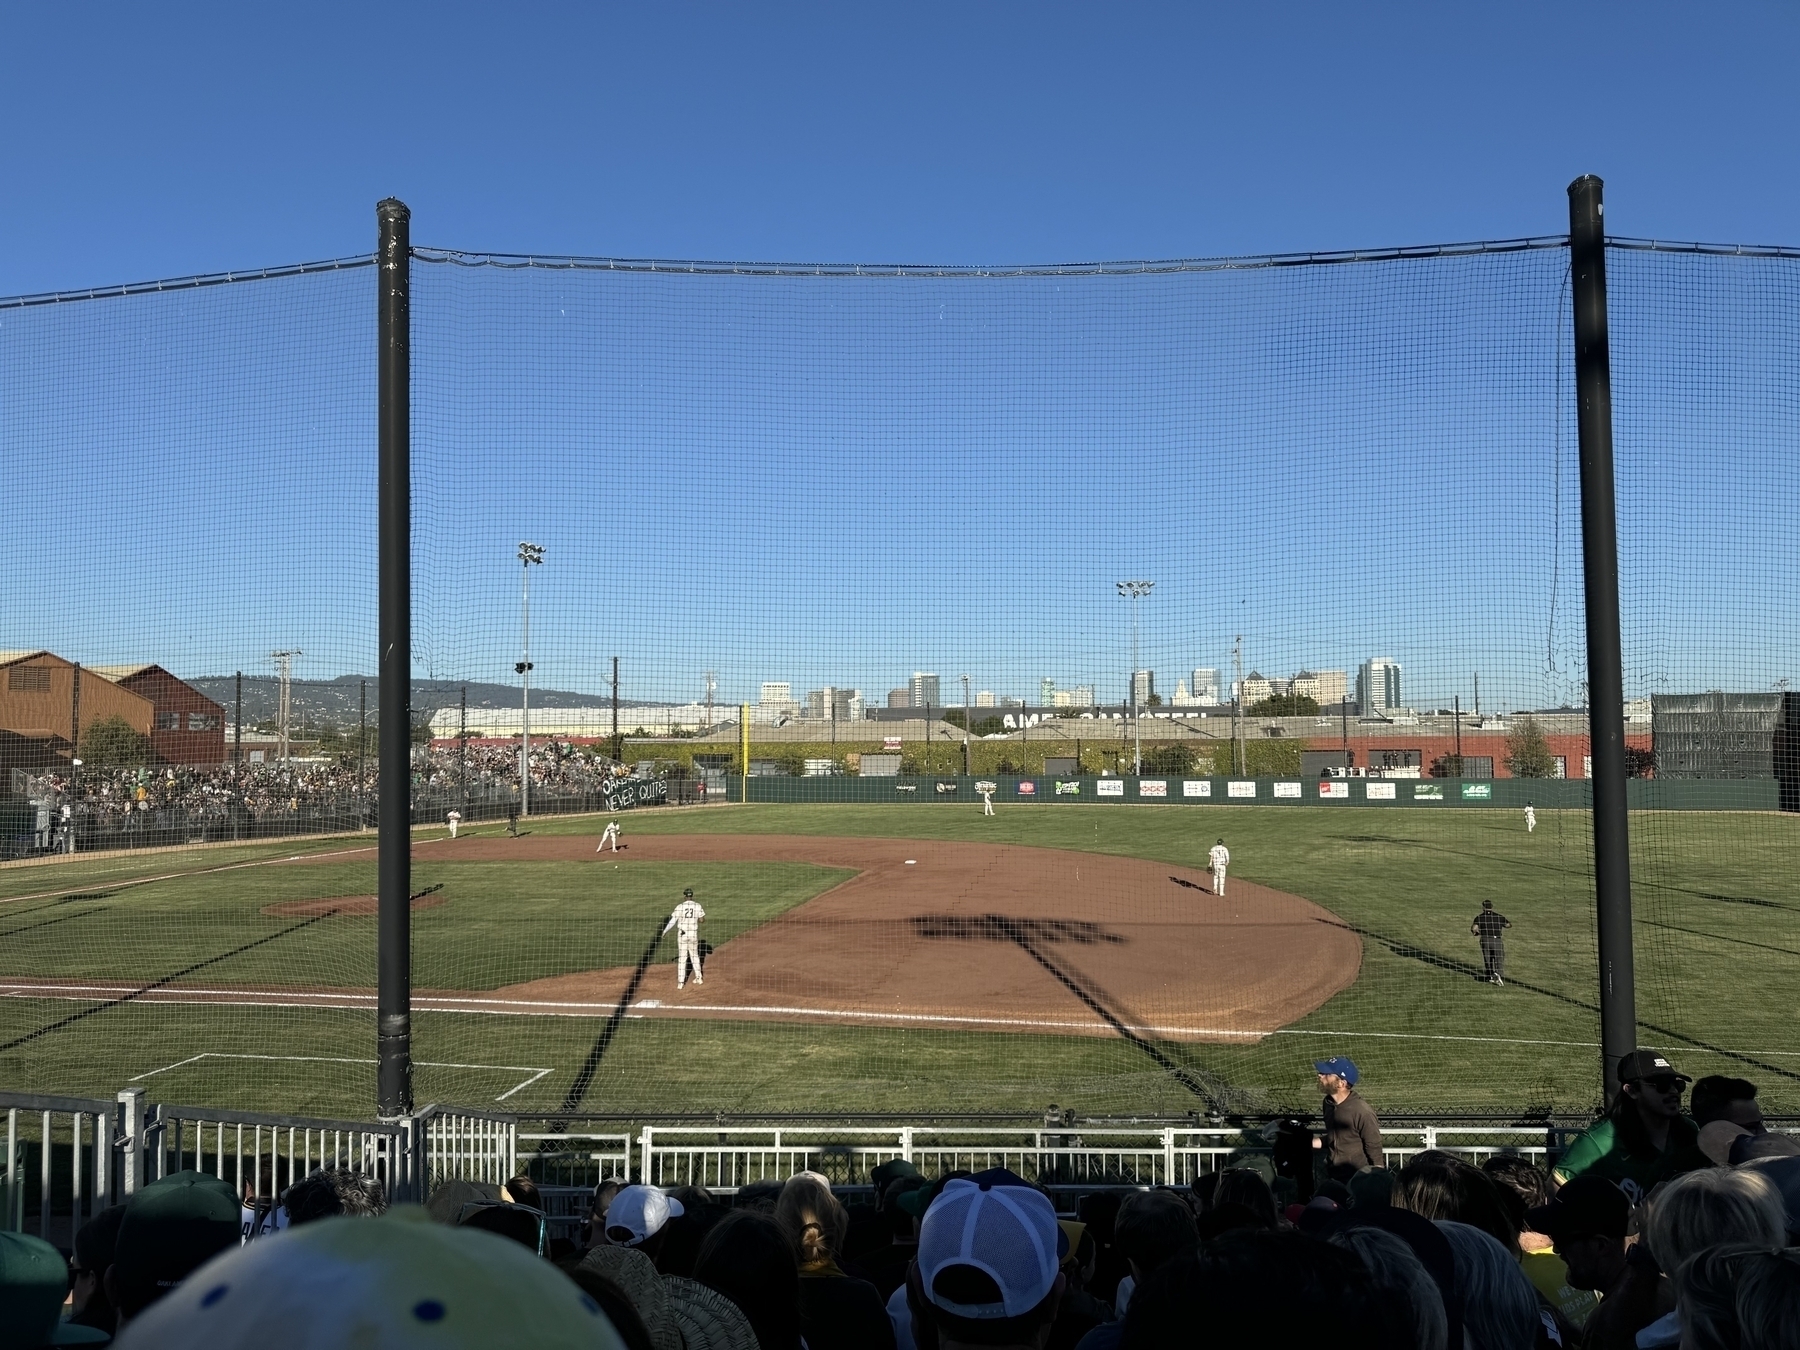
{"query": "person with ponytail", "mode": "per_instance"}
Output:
(837, 1312)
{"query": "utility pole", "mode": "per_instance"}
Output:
(1135, 591)
(712, 683)
(1459, 756)
(362, 737)
(530, 555)
(462, 748)
(1237, 699)
(1478, 698)
(284, 666)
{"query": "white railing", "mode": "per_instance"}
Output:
(262, 1155)
(454, 1144)
(572, 1158)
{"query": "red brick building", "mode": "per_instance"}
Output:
(186, 727)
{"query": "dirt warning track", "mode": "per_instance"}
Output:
(981, 936)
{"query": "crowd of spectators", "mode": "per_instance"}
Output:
(111, 800)
(1628, 1242)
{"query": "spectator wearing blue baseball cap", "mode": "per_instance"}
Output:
(1352, 1131)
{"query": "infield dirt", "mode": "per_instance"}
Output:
(996, 937)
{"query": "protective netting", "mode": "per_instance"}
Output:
(828, 495)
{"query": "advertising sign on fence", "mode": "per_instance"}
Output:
(1477, 792)
(1379, 792)
(1068, 789)
(1287, 789)
(1240, 789)
(1196, 788)
(1428, 792)
(1110, 787)
(1334, 790)
(1027, 788)
(621, 794)
(1152, 787)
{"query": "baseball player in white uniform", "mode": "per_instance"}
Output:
(987, 790)
(686, 923)
(453, 818)
(1530, 817)
(609, 836)
(1220, 858)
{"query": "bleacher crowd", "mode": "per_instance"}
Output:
(114, 799)
(1657, 1228)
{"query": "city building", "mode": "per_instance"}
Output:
(984, 698)
(1082, 696)
(775, 702)
(832, 703)
(1203, 687)
(1378, 687)
(924, 690)
(1326, 687)
(1143, 686)
(900, 698)
(1046, 692)
(1255, 688)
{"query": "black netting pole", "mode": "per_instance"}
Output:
(1606, 679)
(393, 1038)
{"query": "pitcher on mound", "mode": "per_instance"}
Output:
(686, 923)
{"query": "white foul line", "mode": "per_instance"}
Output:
(334, 1059)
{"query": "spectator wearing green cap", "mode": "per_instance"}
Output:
(95, 1242)
(33, 1280)
(1643, 1138)
(171, 1228)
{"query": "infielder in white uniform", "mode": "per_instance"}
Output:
(1530, 817)
(609, 836)
(1220, 858)
(454, 818)
(686, 923)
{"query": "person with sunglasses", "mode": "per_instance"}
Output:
(1643, 1138)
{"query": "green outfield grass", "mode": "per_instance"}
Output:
(1718, 909)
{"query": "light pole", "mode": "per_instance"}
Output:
(967, 770)
(1135, 591)
(530, 555)
(1237, 699)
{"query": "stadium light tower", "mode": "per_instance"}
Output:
(284, 664)
(1135, 591)
(530, 555)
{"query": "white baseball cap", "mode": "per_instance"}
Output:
(994, 1223)
(638, 1212)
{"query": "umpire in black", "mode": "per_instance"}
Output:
(1488, 926)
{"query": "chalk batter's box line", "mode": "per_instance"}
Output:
(535, 1073)
(229, 998)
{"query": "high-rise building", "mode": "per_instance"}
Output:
(1046, 692)
(845, 704)
(984, 698)
(1082, 696)
(1326, 687)
(924, 688)
(775, 702)
(1256, 688)
(1378, 686)
(1143, 685)
(900, 698)
(773, 692)
(1204, 687)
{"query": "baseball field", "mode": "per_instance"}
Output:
(915, 959)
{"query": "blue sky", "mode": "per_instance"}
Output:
(753, 477)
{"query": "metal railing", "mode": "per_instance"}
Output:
(454, 1144)
(59, 1155)
(262, 1155)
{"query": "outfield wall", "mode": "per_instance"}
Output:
(1645, 794)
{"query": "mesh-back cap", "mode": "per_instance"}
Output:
(1006, 1231)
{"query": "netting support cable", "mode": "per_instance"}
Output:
(1606, 677)
(393, 1035)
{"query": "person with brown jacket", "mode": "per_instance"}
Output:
(1352, 1131)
